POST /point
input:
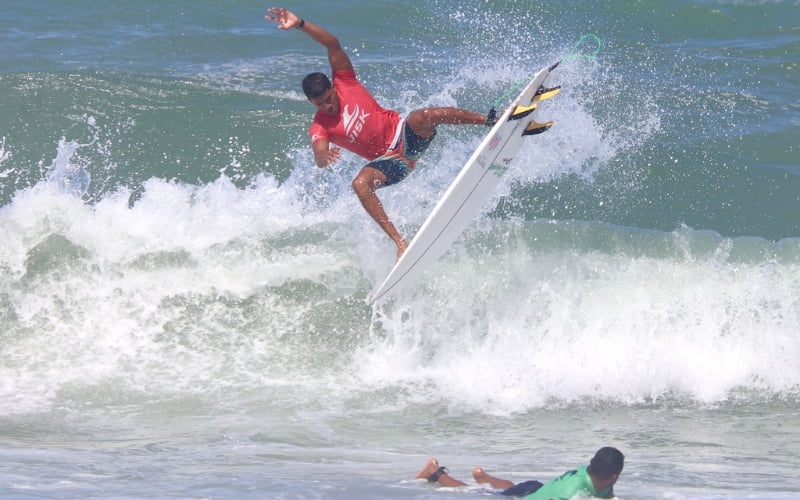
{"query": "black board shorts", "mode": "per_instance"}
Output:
(522, 489)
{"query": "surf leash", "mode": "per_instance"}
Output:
(575, 53)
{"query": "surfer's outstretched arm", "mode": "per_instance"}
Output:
(287, 20)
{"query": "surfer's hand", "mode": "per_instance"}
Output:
(329, 157)
(286, 19)
(402, 245)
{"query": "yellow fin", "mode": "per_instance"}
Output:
(534, 128)
(543, 94)
(522, 112)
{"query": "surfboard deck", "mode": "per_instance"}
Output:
(474, 184)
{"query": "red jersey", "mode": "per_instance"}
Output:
(362, 126)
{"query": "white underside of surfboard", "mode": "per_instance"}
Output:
(473, 185)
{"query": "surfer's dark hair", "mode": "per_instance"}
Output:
(606, 462)
(316, 84)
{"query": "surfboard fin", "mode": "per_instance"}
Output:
(544, 93)
(534, 128)
(521, 112)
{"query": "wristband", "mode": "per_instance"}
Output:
(302, 24)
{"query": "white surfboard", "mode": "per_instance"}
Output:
(475, 183)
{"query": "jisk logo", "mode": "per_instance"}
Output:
(353, 122)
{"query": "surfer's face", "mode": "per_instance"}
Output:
(328, 102)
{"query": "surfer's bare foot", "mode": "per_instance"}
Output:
(434, 473)
(482, 477)
(401, 248)
(431, 466)
(479, 475)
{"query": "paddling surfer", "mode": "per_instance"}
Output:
(594, 480)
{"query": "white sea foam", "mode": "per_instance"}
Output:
(218, 288)
(525, 329)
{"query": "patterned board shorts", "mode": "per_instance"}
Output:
(396, 166)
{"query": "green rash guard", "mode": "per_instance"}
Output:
(567, 486)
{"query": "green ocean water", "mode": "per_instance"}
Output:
(696, 101)
(182, 293)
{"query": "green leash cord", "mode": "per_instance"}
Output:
(574, 54)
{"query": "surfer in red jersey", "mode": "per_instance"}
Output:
(349, 117)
